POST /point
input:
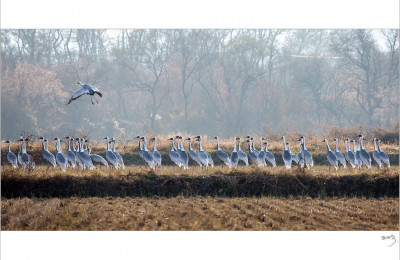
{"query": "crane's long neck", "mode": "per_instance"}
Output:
(190, 144)
(200, 147)
(108, 145)
(173, 143)
(22, 146)
(327, 145)
(9, 147)
(284, 142)
(379, 146)
(289, 147)
(44, 148)
(252, 144)
(140, 146)
(182, 148)
(303, 140)
(266, 147)
(361, 144)
(218, 144)
(345, 143)
(113, 146)
(374, 144)
(69, 144)
(249, 146)
(239, 148)
(336, 146)
(47, 145)
(234, 148)
(262, 145)
(145, 144)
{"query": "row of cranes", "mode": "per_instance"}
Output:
(82, 156)
(357, 157)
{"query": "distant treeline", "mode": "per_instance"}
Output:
(212, 82)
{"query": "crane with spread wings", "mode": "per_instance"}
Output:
(85, 89)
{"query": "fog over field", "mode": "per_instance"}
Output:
(208, 82)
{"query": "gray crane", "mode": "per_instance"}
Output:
(60, 158)
(11, 157)
(384, 157)
(46, 154)
(308, 160)
(252, 154)
(192, 153)
(97, 158)
(234, 155)
(286, 155)
(110, 156)
(156, 154)
(85, 90)
(349, 154)
(222, 155)
(364, 155)
(174, 156)
(261, 155)
(147, 155)
(242, 155)
(376, 156)
(202, 154)
(339, 155)
(357, 158)
(70, 155)
(140, 149)
(269, 156)
(119, 157)
(23, 157)
(331, 156)
(184, 156)
(83, 156)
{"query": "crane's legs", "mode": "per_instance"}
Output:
(95, 99)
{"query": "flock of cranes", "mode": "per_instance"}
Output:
(80, 154)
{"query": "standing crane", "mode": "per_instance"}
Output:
(339, 155)
(242, 155)
(261, 155)
(110, 156)
(70, 154)
(222, 155)
(364, 155)
(147, 156)
(331, 156)
(192, 153)
(269, 156)
(183, 155)
(349, 154)
(174, 156)
(156, 154)
(46, 154)
(308, 160)
(202, 154)
(60, 158)
(234, 155)
(384, 157)
(286, 155)
(376, 155)
(11, 157)
(119, 157)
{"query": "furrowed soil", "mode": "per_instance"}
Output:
(200, 213)
(249, 198)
